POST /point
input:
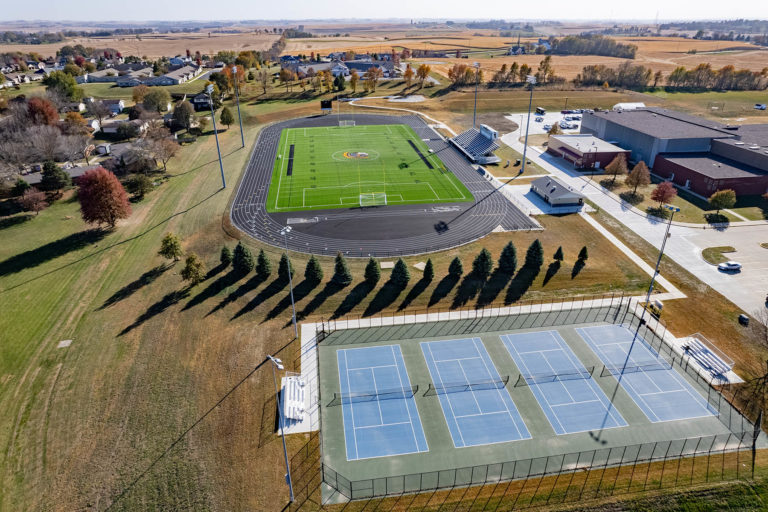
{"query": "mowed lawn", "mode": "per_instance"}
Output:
(350, 166)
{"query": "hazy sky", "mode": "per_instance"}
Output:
(88, 10)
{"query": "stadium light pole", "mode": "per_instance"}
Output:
(278, 364)
(209, 91)
(284, 232)
(237, 102)
(531, 82)
(477, 81)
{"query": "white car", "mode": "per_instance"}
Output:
(539, 119)
(547, 127)
(729, 266)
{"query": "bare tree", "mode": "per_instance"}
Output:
(263, 78)
(46, 141)
(99, 111)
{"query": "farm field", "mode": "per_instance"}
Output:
(349, 166)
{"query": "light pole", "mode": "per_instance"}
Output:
(209, 91)
(284, 232)
(237, 102)
(531, 82)
(277, 363)
(477, 81)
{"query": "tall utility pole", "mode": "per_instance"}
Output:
(209, 91)
(277, 363)
(237, 98)
(284, 232)
(477, 81)
(531, 82)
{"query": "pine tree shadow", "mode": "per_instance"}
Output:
(213, 289)
(520, 284)
(417, 290)
(355, 296)
(580, 264)
(300, 291)
(493, 287)
(442, 289)
(272, 289)
(386, 295)
(158, 307)
(328, 290)
(552, 270)
(468, 289)
(126, 291)
(52, 250)
(241, 290)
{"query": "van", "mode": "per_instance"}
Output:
(540, 111)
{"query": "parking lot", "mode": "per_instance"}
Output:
(548, 119)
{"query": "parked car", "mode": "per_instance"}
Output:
(576, 118)
(760, 106)
(539, 119)
(547, 127)
(729, 266)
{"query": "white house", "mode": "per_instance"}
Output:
(115, 106)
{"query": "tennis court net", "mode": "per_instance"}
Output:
(636, 368)
(543, 378)
(381, 394)
(458, 387)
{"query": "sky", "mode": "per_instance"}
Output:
(608, 10)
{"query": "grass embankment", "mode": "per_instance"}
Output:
(148, 408)
(715, 255)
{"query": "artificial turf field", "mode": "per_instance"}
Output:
(351, 166)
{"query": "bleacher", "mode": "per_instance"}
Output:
(478, 145)
(717, 365)
(292, 398)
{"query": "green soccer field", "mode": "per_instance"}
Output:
(351, 166)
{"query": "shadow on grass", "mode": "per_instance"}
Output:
(520, 284)
(126, 291)
(51, 250)
(214, 288)
(417, 290)
(717, 218)
(241, 290)
(386, 295)
(272, 289)
(493, 287)
(577, 267)
(468, 289)
(300, 291)
(442, 289)
(15, 220)
(157, 308)
(552, 270)
(355, 296)
(328, 290)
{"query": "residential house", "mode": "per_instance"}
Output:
(74, 106)
(111, 127)
(201, 102)
(115, 106)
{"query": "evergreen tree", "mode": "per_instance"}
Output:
(583, 254)
(534, 258)
(226, 256)
(400, 275)
(263, 265)
(242, 259)
(226, 117)
(284, 266)
(54, 177)
(313, 272)
(429, 271)
(341, 274)
(194, 269)
(372, 272)
(558, 254)
(455, 269)
(483, 264)
(508, 259)
(170, 247)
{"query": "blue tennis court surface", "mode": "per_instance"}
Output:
(380, 416)
(564, 388)
(661, 393)
(476, 405)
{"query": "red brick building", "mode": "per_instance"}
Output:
(706, 173)
(584, 151)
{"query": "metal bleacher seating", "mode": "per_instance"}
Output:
(706, 358)
(475, 144)
(293, 398)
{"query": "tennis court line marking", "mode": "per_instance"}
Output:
(450, 405)
(383, 425)
(407, 408)
(351, 409)
(378, 402)
(376, 366)
(466, 379)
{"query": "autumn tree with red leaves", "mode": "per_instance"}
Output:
(42, 111)
(103, 199)
(664, 192)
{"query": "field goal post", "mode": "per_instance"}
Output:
(373, 199)
(346, 123)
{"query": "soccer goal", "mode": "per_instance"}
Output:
(346, 123)
(373, 199)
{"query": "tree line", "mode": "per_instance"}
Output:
(592, 44)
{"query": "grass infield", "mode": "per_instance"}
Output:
(350, 166)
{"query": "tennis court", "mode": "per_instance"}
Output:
(570, 398)
(661, 392)
(475, 402)
(378, 406)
